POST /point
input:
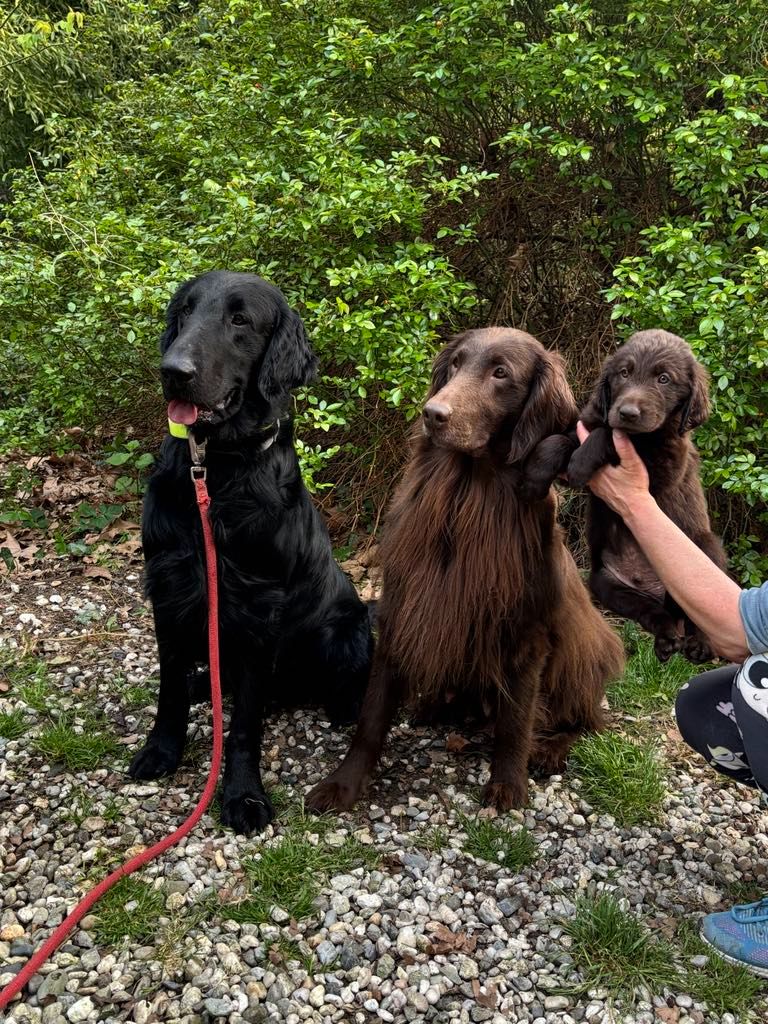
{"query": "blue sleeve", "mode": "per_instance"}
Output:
(753, 606)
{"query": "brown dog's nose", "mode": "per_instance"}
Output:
(629, 413)
(436, 414)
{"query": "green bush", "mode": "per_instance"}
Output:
(400, 172)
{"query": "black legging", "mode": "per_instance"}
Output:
(723, 714)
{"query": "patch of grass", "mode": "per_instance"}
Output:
(434, 839)
(621, 777)
(289, 873)
(129, 910)
(723, 986)
(29, 680)
(744, 892)
(283, 951)
(12, 724)
(139, 696)
(648, 684)
(615, 951)
(492, 840)
(80, 746)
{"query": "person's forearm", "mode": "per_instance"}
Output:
(705, 593)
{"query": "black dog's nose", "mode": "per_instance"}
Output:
(177, 368)
(629, 413)
(436, 413)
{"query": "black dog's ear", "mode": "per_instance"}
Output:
(441, 367)
(549, 408)
(695, 409)
(289, 361)
(175, 306)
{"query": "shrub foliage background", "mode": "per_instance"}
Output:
(400, 171)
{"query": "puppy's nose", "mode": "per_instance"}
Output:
(629, 413)
(436, 413)
(177, 369)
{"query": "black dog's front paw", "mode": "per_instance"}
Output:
(246, 812)
(157, 757)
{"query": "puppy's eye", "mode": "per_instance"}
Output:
(239, 320)
(624, 372)
(500, 372)
(455, 362)
(664, 378)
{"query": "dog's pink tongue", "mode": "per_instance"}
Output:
(182, 412)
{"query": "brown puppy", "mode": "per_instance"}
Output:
(654, 389)
(481, 598)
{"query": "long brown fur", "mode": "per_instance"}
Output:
(480, 595)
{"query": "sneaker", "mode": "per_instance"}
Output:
(740, 935)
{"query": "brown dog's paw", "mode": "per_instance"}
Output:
(332, 795)
(505, 796)
(667, 645)
(697, 649)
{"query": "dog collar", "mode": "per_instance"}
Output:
(182, 431)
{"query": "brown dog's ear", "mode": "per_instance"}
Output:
(695, 409)
(549, 408)
(441, 367)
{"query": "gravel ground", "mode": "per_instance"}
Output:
(430, 933)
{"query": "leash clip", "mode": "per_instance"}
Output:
(197, 452)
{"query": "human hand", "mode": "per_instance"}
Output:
(621, 487)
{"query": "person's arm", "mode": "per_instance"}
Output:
(705, 593)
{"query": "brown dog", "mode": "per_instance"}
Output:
(481, 597)
(654, 389)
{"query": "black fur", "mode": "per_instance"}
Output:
(292, 627)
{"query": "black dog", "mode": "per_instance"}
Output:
(291, 624)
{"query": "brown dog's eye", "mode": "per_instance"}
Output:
(624, 372)
(239, 320)
(663, 378)
(455, 362)
(500, 372)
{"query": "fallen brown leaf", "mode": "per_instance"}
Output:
(668, 1014)
(97, 572)
(455, 742)
(489, 998)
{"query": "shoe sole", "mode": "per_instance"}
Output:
(761, 972)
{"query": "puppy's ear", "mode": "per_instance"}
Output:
(289, 361)
(695, 409)
(595, 412)
(441, 367)
(549, 408)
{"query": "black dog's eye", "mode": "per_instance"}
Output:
(500, 372)
(239, 320)
(664, 378)
(186, 310)
(624, 372)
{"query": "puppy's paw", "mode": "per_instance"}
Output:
(157, 757)
(534, 487)
(333, 794)
(245, 813)
(666, 645)
(505, 796)
(581, 468)
(697, 649)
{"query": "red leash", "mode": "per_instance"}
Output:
(82, 908)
